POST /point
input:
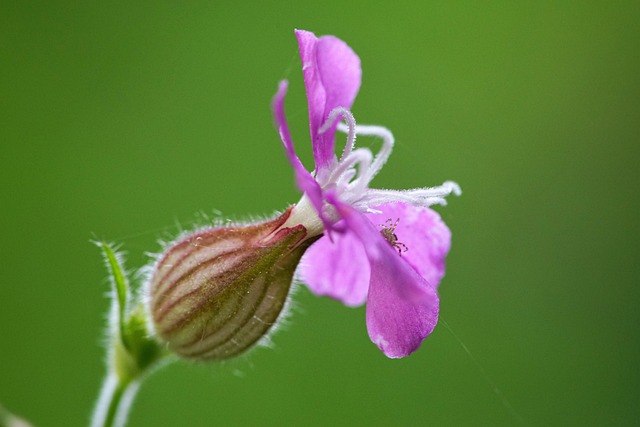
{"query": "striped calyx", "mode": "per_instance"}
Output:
(215, 293)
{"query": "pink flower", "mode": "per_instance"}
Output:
(385, 247)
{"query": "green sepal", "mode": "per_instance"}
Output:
(134, 350)
(121, 288)
(143, 350)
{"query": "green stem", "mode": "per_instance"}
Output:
(132, 352)
(115, 402)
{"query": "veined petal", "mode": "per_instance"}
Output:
(337, 269)
(304, 180)
(402, 307)
(316, 95)
(421, 230)
(398, 324)
(340, 74)
(332, 76)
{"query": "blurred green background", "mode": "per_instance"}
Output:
(126, 121)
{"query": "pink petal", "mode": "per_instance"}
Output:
(402, 307)
(337, 269)
(397, 324)
(426, 237)
(332, 77)
(304, 180)
(316, 95)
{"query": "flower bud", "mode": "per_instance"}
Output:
(215, 293)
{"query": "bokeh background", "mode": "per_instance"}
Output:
(129, 121)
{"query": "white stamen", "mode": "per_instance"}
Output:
(355, 169)
(360, 184)
(384, 153)
(346, 178)
(418, 196)
(361, 157)
(351, 128)
(443, 190)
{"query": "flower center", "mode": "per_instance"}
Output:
(350, 175)
(356, 168)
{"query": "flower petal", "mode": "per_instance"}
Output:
(332, 76)
(421, 230)
(337, 269)
(316, 95)
(340, 74)
(402, 307)
(397, 324)
(304, 180)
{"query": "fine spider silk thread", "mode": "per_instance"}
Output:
(505, 402)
